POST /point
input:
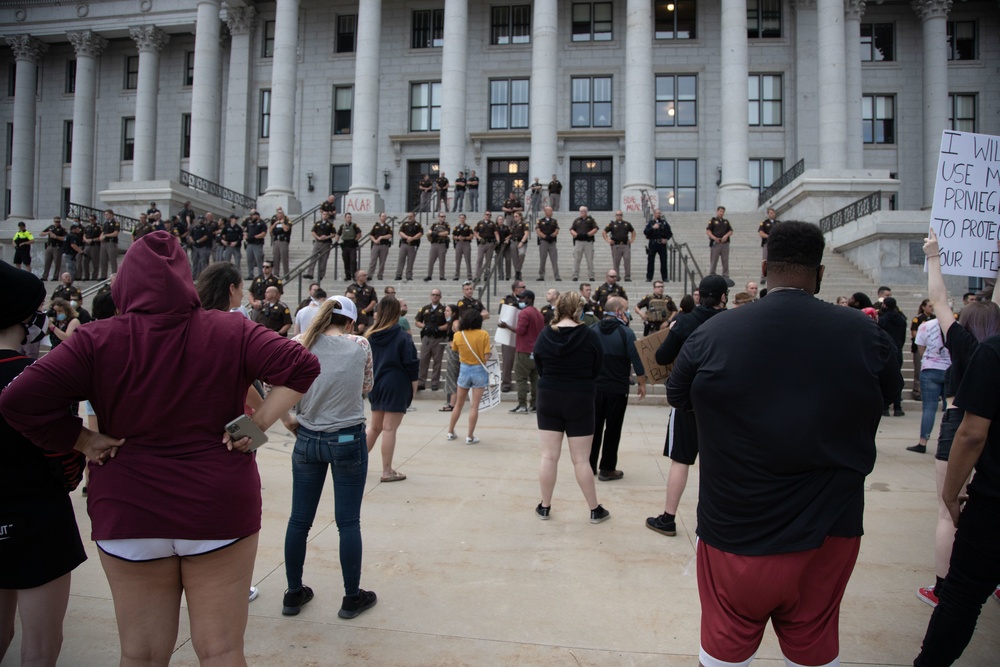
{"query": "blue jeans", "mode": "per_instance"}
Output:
(931, 393)
(346, 453)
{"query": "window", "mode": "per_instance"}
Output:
(591, 21)
(508, 104)
(592, 101)
(261, 180)
(267, 48)
(425, 106)
(10, 144)
(265, 113)
(764, 94)
(67, 142)
(185, 135)
(340, 179)
(763, 18)
(131, 72)
(12, 78)
(676, 100)
(128, 139)
(677, 184)
(428, 28)
(70, 88)
(343, 102)
(962, 112)
(189, 68)
(65, 202)
(511, 25)
(347, 25)
(878, 119)
(676, 20)
(877, 42)
(764, 171)
(961, 40)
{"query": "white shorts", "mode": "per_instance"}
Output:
(154, 548)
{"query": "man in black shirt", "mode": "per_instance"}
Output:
(486, 235)
(555, 194)
(473, 193)
(55, 235)
(73, 248)
(381, 236)
(426, 187)
(256, 232)
(783, 457)
(462, 237)
(764, 230)
(438, 236)
(657, 232)
(460, 184)
(91, 249)
(322, 234)
(512, 204)
(109, 244)
(201, 247)
(433, 335)
(583, 231)
(410, 233)
(547, 231)
(620, 235)
(231, 238)
(441, 187)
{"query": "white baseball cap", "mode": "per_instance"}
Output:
(347, 307)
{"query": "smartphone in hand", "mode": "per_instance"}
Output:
(243, 427)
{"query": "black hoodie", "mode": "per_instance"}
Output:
(568, 358)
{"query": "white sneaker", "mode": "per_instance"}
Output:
(450, 436)
(471, 440)
(253, 593)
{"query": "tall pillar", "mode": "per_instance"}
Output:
(453, 76)
(88, 46)
(853, 10)
(149, 39)
(544, 71)
(241, 22)
(832, 60)
(639, 118)
(806, 105)
(934, 14)
(27, 51)
(364, 142)
(206, 97)
(734, 191)
(281, 148)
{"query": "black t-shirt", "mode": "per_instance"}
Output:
(961, 345)
(979, 394)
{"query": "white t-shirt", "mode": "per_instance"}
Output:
(936, 356)
(305, 316)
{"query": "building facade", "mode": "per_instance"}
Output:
(700, 103)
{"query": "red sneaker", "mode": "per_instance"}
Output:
(927, 595)
(996, 594)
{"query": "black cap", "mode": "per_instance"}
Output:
(528, 295)
(713, 286)
(23, 294)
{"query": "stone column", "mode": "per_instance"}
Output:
(242, 21)
(206, 97)
(934, 14)
(734, 191)
(805, 110)
(27, 51)
(639, 118)
(88, 46)
(832, 60)
(284, 69)
(364, 144)
(853, 11)
(544, 90)
(453, 88)
(149, 39)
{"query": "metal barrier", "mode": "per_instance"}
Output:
(859, 209)
(225, 194)
(84, 212)
(774, 188)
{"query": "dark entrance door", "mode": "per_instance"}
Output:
(415, 170)
(505, 176)
(590, 181)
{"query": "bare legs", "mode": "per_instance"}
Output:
(579, 451)
(676, 481)
(460, 395)
(385, 424)
(42, 612)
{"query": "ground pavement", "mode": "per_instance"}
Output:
(466, 575)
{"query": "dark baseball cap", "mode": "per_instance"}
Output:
(714, 286)
(528, 295)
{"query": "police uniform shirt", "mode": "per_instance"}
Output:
(274, 315)
(509, 300)
(92, 231)
(619, 230)
(231, 233)
(180, 228)
(548, 312)
(471, 303)
(140, 230)
(56, 235)
(766, 227)
(254, 228)
(582, 226)
(504, 232)
(513, 204)
(327, 207)
(260, 284)
(555, 187)
(279, 234)
(324, 228)
(473, 182)
(214, 229)
(364, 295)
(593, 308)
(719, 227)
(606, 291)
(349, 227)
(425, 185)
(436, 229)
(656, 307)
(200, 237)
(380, 229)
(548, 227)
(487, 231)
(68, 293)
(432, 317)
(517, 232)
(110, 227)
(462, 232)
(411, 228)
(442, 183)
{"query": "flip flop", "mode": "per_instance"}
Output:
(446, 408)
(394, 477)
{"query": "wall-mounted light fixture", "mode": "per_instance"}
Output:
(309, 177)
(718, 181)
(385, 175)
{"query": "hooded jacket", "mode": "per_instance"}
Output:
(618, 344)
(166, 376)
(568, 358)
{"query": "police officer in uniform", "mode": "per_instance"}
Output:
(56, 234)
(215, 231)
(547, 229)
(512, 204)
(460, 185)
(426, 187)
(91, 259)
(462, 236)
(322, 234)
(719, 231)
(231, 238)
(502, 252)
(329, 207)
(433, 334)
(657, 232)
(438, 236)
(274, 314)
(109, 244)
(609, 288)
(73, 248)
(442, 192)
(519, 235)
(281, 233)
(409, 240)
(583, 230)
(555, 193)
(508, 352)
(381, 236)
(256, 232)
(349, 236)
(144, 227)
(657, 309)
(764, 231)
(201, 247)
(67, 290)
(592, 311)
(258, 288)
(473, 192)
(620, 234)
(549, 309)
(365, 297)
(469, 302)
(487, 238)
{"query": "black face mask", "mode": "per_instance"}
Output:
(34, 331)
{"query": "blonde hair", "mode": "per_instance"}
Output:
(328, 314)
(568, 307)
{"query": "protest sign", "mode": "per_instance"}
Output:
(508, 315)
(966, 202)
(646, 347)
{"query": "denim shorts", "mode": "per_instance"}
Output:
(473, 376)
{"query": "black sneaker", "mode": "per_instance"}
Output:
(292, 603)
(307, 276)
(662, 525)
(352, 606)
(898, 413)
(918, 448)
(599, 514)
(519, 410)
(543, 512)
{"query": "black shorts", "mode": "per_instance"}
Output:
(682, 437)
(946, 434)
(22, 255)
(42, 541)
(569, 412)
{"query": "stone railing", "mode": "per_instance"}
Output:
(774, 188)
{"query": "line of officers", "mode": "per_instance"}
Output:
(87, 251)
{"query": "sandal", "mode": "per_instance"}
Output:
(446, 408)
(394, 477)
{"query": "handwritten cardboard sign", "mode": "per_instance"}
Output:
(966, 211)
(646, 347)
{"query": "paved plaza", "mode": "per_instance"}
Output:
(466, 575)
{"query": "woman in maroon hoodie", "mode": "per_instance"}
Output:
(174, 505)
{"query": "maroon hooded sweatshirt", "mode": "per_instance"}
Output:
(167, 376)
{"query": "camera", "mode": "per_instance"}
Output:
(232, 428)
(50, 313)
